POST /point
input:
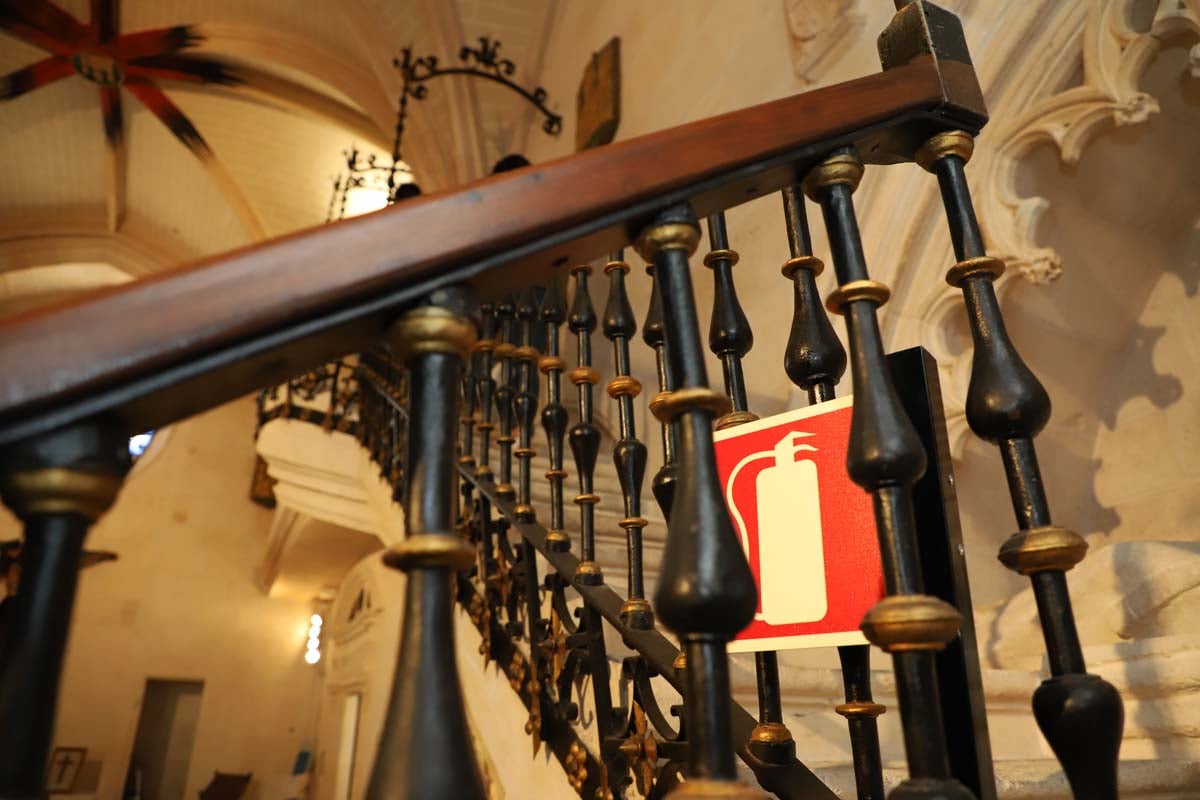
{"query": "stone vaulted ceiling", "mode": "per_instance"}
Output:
(146, 133)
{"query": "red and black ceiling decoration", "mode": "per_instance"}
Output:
(136, 61)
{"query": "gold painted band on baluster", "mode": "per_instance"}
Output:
(709, 789)
(548, 363)
(582, 268)
(59, 490)
(680, 661)
(970, 267)
(721, 255)
(735, 418)
(557, 540)
(523, 452)
(611, 266)
(841, 168)
(624, 386)
(431, 329)
(506, 491)
(633, 522)
(556, 473)
(668, 236)
(505, 350)
(843, 296)
(526, 353)
(430, 550)
(667, 405)
(483, 471)
(905, 623)
(589, 572)
(770, 733)
(584, 374)
(811, 263)
(947, 143)
(587, 500)
(1046, 549)
(860, 709)
(635, 605)
(485, 345)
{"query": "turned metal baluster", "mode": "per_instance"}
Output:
(1081, 715)
(706, 592)
(486, 388)
(426, 722)
(815, 361)
(525, 404)
(663, 483)
(584, 436)
(629, 453)
(467, 445)
(554, 414)
(505, 393)
(730, 339)
(885, 457)
(58, 485)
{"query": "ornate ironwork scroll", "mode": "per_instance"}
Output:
(484, 62)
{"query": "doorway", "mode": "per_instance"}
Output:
(162, 749)
(347, 745)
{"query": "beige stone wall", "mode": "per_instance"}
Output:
(181, 603)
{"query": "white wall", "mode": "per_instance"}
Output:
(181, 604)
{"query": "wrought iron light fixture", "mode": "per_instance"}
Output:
(369, 182)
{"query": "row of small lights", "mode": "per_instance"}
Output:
(313, 652)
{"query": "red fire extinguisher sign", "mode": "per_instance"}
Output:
(808, 530)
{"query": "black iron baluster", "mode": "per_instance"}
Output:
(730, 339)
(554, 414)
(584, 436)
(629, 454)
(467, 445)
(706, 593)
(1081, 715)
(505, 394)
(486, 388)
(525, 404)
(815, 361)
(425, 719)
(58, 485)
(885, 457)
(663, 483)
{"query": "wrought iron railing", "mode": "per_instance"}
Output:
(152, 352)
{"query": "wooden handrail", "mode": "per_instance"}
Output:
(157, 350)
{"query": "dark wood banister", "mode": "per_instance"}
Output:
(161, 349)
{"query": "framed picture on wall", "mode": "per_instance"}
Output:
(64, 768)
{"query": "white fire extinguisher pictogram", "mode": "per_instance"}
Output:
(791, 554)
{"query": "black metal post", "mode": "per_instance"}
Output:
(554, 414)
(706, 592)
(815, 361)
(426, 722)
(629, 453)
(584, 437)
(58, 485)
(730, 338)
(885, 458)
(1080, 714)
